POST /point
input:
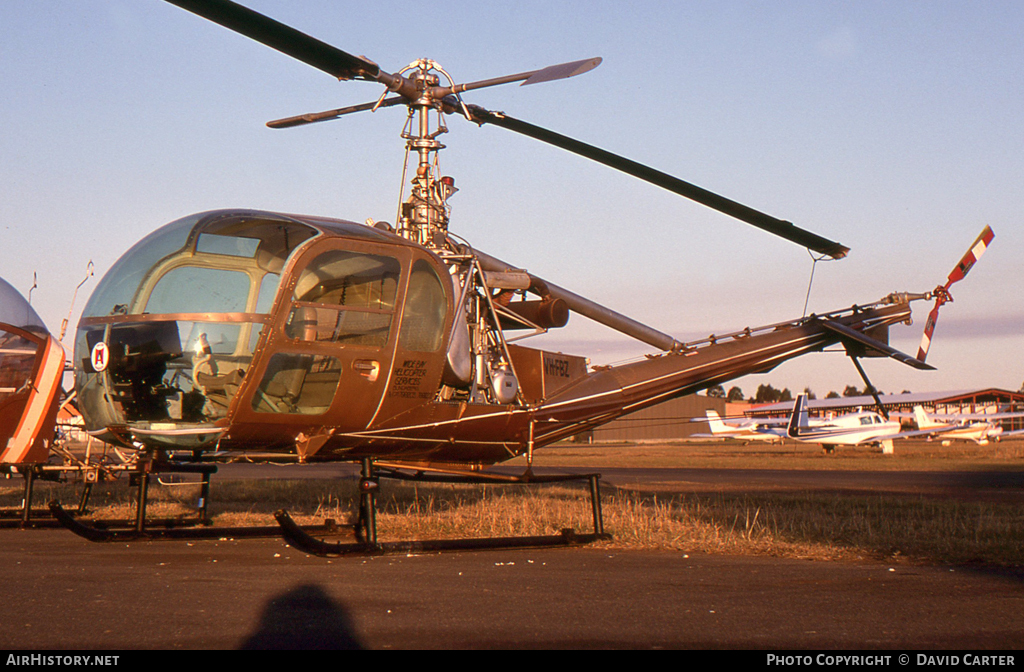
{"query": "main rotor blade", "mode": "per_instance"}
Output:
(283, 38)
(327, 115)
(724, 205)
(548, 74)
(562, 71)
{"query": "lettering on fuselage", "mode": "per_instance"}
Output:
(406, 379)
(556, 367)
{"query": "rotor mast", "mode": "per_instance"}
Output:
(424, 215)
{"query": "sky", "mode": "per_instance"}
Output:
(892, 127)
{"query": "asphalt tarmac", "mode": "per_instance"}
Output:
(63, 592)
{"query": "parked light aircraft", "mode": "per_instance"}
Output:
(980, 428)
(852, 429)
(746, 431)
(967, 430)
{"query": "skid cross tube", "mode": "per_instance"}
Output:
(24, 516)
(141, 528)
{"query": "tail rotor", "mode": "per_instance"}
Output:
(941, 293)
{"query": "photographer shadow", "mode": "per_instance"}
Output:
(303, 619)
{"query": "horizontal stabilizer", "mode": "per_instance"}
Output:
(849, 334)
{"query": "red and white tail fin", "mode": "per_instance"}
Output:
(942, 294)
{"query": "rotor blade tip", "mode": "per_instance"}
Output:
(840, 252)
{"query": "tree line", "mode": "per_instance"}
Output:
(766, 394)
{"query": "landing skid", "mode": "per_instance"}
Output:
(365, 529)
(143, 529)
(304, 541)
(149, 533)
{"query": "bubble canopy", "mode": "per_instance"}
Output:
(236, 325)
(16, 311)
(202, 285)
(203, 240)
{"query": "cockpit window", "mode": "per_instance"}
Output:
(221, 240)
(424, 312)
(16, 311)
(181, 313)
(345, 297)
(304, 384)
(350, 279)
(268, 290)
(17, 360)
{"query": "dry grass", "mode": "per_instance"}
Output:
(805, 525)
(793, 524)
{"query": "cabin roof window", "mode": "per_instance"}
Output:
(232, 246)
(195, 289)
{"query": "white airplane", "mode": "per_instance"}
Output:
(852, 429)
(980, 428)
(748, 430)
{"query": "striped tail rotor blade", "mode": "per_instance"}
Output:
(942, 295)
(977, 249)
(929, 328)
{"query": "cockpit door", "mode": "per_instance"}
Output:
(326, 359)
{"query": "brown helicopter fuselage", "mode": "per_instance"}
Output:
(322, 339)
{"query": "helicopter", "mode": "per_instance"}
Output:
(31, 369)
(282, 336)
